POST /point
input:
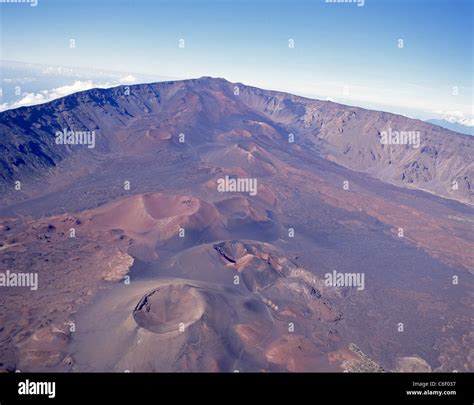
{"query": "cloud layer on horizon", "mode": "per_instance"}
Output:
(32, 98)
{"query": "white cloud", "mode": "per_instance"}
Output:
(455, 116)
(49, 95)
(128, 79)
(79, 79)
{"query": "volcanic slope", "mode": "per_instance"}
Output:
(158, 270)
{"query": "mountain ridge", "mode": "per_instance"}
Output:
(344, 134)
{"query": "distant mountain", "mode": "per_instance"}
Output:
(206, 108)
(453, 126)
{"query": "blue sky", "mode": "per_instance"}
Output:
(344, 52)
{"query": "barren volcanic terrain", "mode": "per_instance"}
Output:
(145, 263)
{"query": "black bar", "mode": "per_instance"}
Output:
(307, 388)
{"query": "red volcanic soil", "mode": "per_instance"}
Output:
(294, 353)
